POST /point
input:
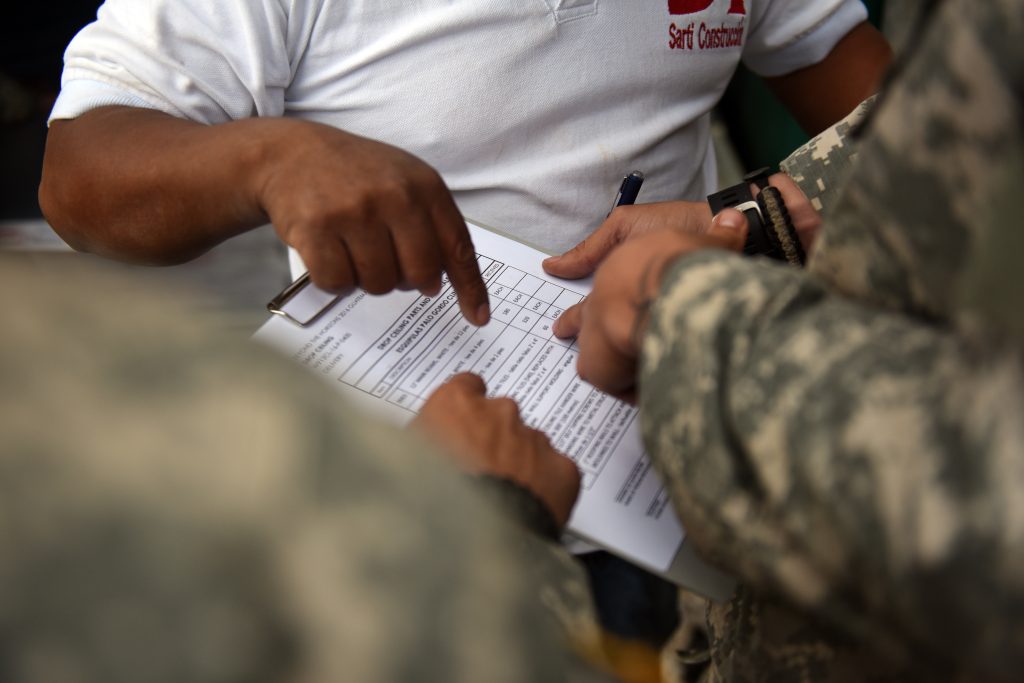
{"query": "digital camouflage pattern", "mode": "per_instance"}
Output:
(849, 441)
(821, 165)
(175, 507)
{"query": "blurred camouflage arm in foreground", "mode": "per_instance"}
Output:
(180, 506)
(862, 464)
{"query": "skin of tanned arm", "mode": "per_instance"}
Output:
(821, 94)
(143, 186)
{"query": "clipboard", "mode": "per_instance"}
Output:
(302, 311)
(302, 304)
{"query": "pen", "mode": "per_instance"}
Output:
(629, 189)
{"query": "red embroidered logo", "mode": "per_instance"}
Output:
(694, 6)
(705, 37)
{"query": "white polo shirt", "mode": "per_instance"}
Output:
(531, 110)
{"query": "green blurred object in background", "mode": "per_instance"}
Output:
(760, 128)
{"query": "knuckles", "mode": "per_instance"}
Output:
(422, 276)
(376, 288)
(505, 408)
(393, 191)
(375, 282)
(332, 280)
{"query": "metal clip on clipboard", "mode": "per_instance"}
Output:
(302, 302)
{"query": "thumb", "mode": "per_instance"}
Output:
(583, 259)
(730, 226)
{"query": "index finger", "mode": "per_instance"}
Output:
(459, 259)
(568, 324)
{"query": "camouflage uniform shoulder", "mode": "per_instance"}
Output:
(931, 165)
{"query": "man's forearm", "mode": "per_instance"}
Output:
(824, 93)
(144, 186)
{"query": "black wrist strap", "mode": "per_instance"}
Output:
(738, 197)
(770, 231)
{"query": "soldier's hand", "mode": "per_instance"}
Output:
(624, 223)
(365, 214)
(806, 219)
(630, 222)
(612, 320)
(487, 436)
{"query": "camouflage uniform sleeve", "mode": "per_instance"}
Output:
(862, 464)
(822, 164)
(176, 506)
(933, 164)
(847, 439)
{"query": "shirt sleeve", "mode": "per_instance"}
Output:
(207, 61)
(792, 34)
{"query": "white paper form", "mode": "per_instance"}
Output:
(390, 352)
